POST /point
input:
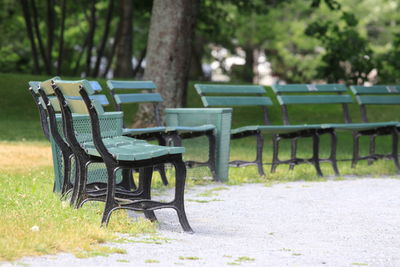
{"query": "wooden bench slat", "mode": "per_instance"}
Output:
(378, 100)
(204, 89)
(133, 85)
(102, 99)
(71, 88)
(137, 98)
(308, 88)
(375, 89)
(96, 86)
(209, 101)
(314, 99)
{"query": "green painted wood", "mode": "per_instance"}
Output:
(314, 99)
(95, 86)
(378, 100)
(46, 85)
(277, 129)
(128, 131)
(71, 88)
(204, 89)
(194, 110)
(137, 151)
(229, 101)
(55, 104)
(202, 128)
(137, 98)
(34, 85)
(360, 126)
(78, 106)
(115, 142)
(375, 89)
(309, 88)
(113, 85)
(102, 99)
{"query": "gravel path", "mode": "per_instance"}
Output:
(334, 223)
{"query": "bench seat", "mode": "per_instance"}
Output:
(142, 151)
(137, 131)
(201, 128)
(278, 129)
(361, 126)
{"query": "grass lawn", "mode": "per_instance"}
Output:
(34, 221)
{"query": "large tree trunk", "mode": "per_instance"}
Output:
(168, 53)
(124, 68)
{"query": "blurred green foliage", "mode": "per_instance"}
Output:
(303, 40)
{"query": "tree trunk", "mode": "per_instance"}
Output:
(168, 53)
(28, 23)
(138, 67)
(124, 68)
(39, 38)
(248, 73)
(196, 69)
(92, 28)
(61, 41)
(50, 32)
(110, 57)
(100, 50)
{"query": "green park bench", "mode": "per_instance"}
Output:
(136, 92)
(253, 95)
(331, 94)
(63, 160)
(116, 152)
(379, 95)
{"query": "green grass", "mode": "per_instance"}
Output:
(34, 221)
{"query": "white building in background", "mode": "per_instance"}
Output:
(224, 60)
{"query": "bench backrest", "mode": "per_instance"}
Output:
(34, 90)
(228, 95)
(135, 92)
(375, 95)
(312, 94)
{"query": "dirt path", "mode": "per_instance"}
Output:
(334, 223)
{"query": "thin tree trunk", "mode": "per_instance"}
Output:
(92, 28)
(28, 23)
(39, 38)
(168, 52)
(139, 64)
(123, 68)
(78, 61)
(100, 50)
(50, 32)
(248, 74)
(196, 70)
(113, 49)
(61, 43)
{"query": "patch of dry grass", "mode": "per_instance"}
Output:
(22, 156)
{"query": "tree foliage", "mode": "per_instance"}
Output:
(347, 56)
